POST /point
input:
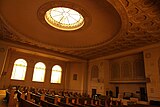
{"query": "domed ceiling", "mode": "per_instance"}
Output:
(109, 26)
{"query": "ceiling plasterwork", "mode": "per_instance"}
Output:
(140, 27)
(143, 28)
(84, 38)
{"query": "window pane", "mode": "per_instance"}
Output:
(39, 72)
(64, 18)
(19, 69)
(56, 74)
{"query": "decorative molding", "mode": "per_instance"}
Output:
(140, 27)
(4, 32)
(126, 82)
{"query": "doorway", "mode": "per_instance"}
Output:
(94, 92)
(117, 91)
(143, 94)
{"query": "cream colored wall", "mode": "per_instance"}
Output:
(68, 69)
(107, 74)
(125, 84)
(129, 85)
(80, 84)
(31, 61)
(152, 69)
(103, 76)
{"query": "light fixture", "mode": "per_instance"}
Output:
(64, 18)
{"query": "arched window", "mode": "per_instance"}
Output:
(19, 69)
(39, 72)
(56, 74)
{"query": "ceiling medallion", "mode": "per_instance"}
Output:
(63, 15)
(64, 18)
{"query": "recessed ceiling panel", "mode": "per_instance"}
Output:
(26, 18)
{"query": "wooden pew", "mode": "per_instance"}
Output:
(79, 102)
(79, 105)
(50, 99)
(12, 98)
(35, 97)
(7, 96)
(48, 104)
(26, 103)
(65, 104)
(102, 102)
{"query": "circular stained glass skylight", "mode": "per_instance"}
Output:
(64, 18)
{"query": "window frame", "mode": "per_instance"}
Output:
(52, 73)
(19, 66)
(37, 69)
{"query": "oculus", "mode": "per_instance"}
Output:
(64, 18)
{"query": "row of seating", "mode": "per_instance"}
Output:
(67, 101)
(30, 99)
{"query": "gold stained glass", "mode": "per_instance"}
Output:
(56, 74)
(39, 72)
(19, 69)
(64, 18)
